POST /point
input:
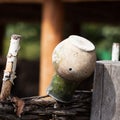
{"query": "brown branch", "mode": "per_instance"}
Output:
(9, 72)
(46, 108)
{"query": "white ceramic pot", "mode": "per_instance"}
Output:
(74, 58)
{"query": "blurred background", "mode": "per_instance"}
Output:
(96, 20)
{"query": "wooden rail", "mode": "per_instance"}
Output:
(46, 108)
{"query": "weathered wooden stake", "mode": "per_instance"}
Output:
(51, 35)
(115, 51)
(9, 72)
(106, 91)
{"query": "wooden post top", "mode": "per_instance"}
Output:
(106, 91)
(108, 62)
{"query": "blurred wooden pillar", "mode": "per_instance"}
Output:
(51, 35)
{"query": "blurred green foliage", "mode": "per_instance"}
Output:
(30, 45)
(103, 36)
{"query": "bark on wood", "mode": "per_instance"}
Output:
(46, 108)
(5, 90)
(106, 91)
(9, 72)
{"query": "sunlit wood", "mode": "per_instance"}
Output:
(51, 35)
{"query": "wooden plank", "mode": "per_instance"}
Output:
(98, 12)
(115, 93)
(41, 1)
(110, 97)
(51, 35)
(108, 100)
(20, 12)
(97, 92)
(21, 1)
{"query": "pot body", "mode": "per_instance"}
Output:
(73, 62)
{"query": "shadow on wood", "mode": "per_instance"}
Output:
(106, 101)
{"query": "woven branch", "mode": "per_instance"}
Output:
(46, 108)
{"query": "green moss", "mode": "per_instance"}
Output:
(62, 89)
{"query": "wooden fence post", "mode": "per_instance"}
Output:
(51, 35)
(115, 51)
(106, 91)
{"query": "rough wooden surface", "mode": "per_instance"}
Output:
(46, 108)
(106, 91)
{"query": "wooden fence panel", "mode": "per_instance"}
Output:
(106, 91)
